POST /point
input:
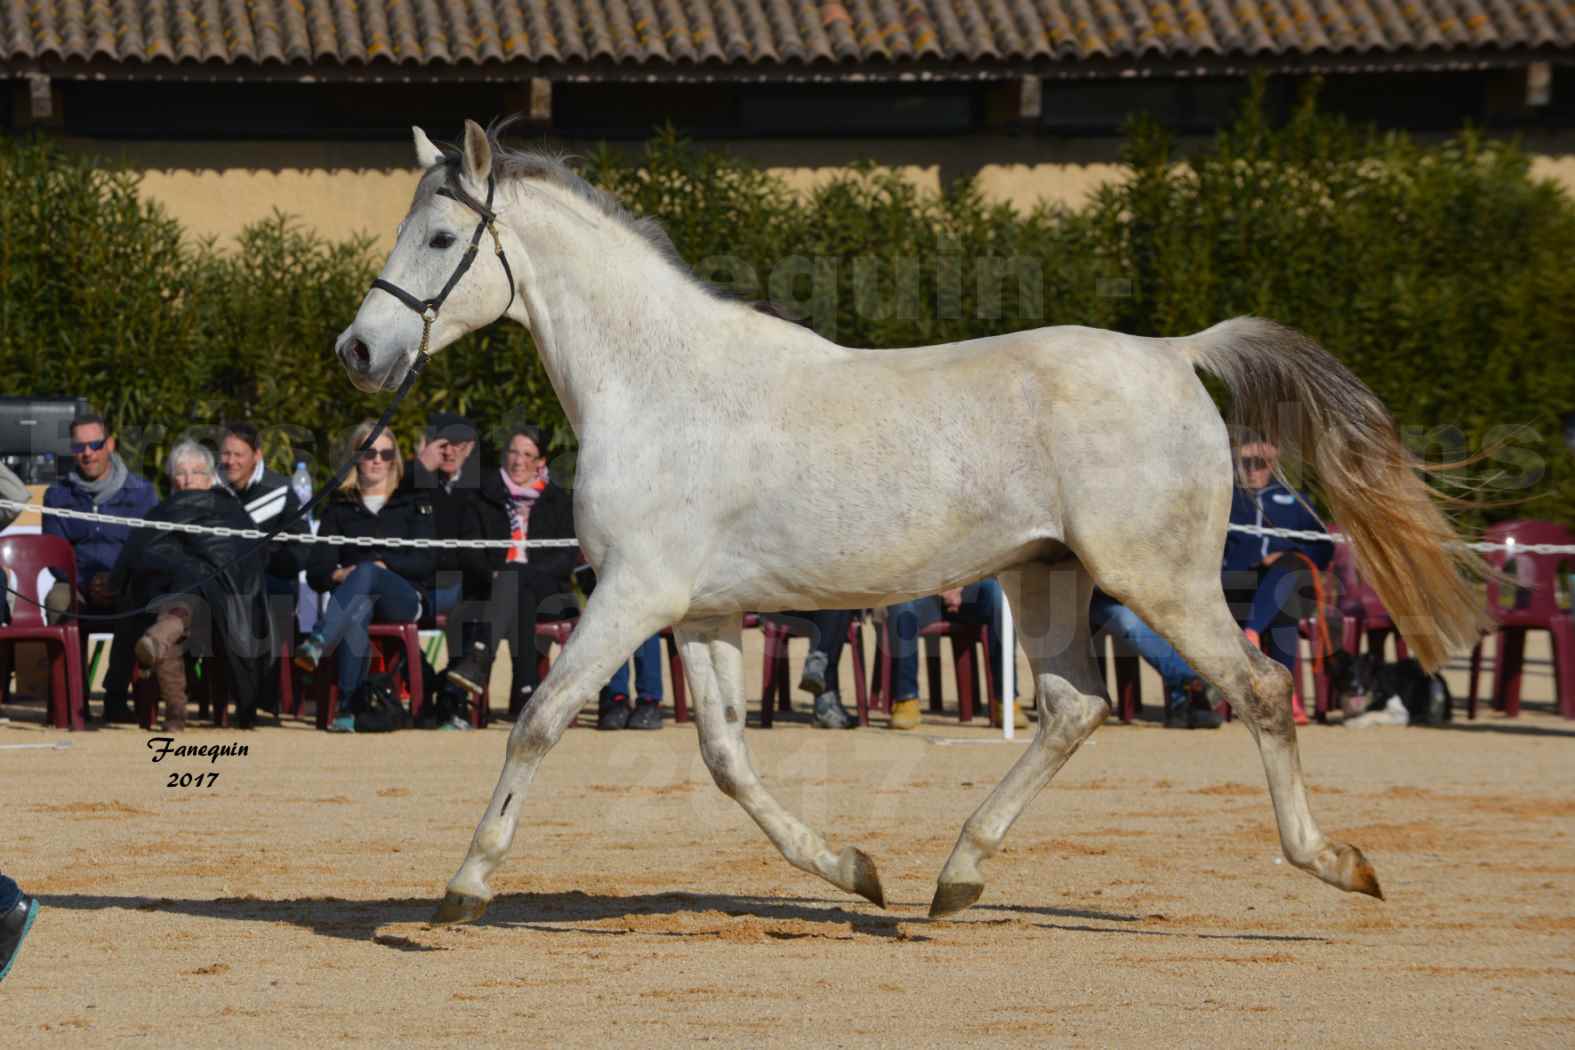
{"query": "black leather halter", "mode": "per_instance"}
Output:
(428, 308)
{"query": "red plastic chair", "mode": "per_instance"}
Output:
(25, 557)
(775, 688)
(967, 640)
(403, 638)
(1540, 601)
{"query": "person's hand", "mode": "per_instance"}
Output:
(1271, 559)
(99, 590)
(341, 573)
(430, 453)
(380, 563)
(952, 599)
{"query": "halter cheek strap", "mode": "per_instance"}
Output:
(428, 308)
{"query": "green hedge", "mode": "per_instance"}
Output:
(1440, 274)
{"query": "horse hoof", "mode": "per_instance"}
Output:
(953, 897)
(1359, 876)
(458, 908)
(866, 880)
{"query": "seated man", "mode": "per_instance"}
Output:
(268, 500)
(444, 473)
(205, 586)
(1186, 706)
(977, 603)
(828, 634)
(1265, 576)
(100, 482)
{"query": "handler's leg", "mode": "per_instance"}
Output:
(622, 613)
(1051, 608)
(713, 657)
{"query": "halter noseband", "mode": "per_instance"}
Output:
(428, 308)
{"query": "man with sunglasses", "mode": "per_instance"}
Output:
(1266, 577)
(100, 482)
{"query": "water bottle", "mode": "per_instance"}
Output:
(301, 483)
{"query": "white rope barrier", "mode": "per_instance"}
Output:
(370, 541)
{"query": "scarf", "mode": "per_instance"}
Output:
(112, 481)
(521, 499)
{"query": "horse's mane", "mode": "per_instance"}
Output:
(509, 163)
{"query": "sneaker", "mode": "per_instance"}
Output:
(310, 652)
(14, 925)
(342, 724)
(829, 712)
(813, 680)
(905, 714)
(613, 712)
(647, 714)
(1189, 708)
(469, 672)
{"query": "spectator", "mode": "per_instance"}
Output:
(101, 482)
(1186, 703)
(1265, 575)
(977, 603)
(367, 584)
(201, 581)
(11, 488)
(17, 912)
(508, 586)
(614, 710)
(828, 634)
(269, 501)
(444, 472)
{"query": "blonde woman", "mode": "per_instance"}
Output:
(367, 584)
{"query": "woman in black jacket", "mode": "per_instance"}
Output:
(372, 583)
(505, 587)
(206, 581)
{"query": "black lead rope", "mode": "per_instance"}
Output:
(428, 310)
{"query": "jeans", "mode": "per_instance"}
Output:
(1110, 616)
(10, 894)
(828, 633)
(647, 672)
(981, 604)
(370, 594)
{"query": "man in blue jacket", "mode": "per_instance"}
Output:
(101, 483)
(1265, 576)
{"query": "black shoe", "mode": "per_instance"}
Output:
(1190, 709)
(469, 672)
(613, 712)
(14, 925)
(647, 714)
(118, 714)
(813, 680)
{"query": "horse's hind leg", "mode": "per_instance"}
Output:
(1200, 626)
(1051, 609)
(713, 659)
(620, 615)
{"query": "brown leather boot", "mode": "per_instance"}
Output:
(164, 636)
(171, 674)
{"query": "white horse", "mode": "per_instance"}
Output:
(1059, 458)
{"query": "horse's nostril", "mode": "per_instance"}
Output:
(360, 355)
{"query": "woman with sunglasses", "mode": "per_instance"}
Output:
(371, 584)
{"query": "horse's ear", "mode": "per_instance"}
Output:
(478, 153)
(427, 155)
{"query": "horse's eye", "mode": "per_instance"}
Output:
(441, 241)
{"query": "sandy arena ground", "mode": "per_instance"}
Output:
(1140, 901)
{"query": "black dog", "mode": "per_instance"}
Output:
(1362, 683)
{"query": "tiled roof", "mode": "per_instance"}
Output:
(758, 33)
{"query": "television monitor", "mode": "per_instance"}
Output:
(35, 434)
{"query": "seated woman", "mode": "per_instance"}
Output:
(201, 581)
(367, 585)
(505, 587)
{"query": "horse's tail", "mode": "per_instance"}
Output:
(1287, 389)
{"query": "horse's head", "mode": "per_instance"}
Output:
(447, 275)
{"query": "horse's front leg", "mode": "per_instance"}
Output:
(713, 663)
(621, 614)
